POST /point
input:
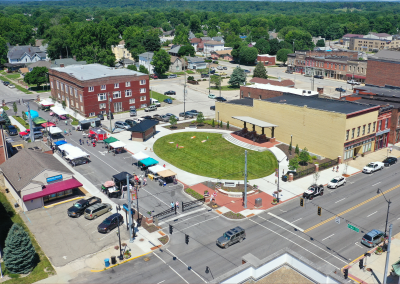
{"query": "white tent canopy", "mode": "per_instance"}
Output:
(46, 102)
(59, 111)
(140, 156)
(54, 130)
(155, 169)
(117, 144)
(72, 151)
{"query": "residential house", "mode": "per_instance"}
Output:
(121, 52)
(56, 63)
(194, 42)
(177, 64)
(381, 36)
(25, 54)
(39, 43)
(212, 45)
(222, 54)
(145, 60)
(205, 38)
(191, 35)
(196, 63)
(218, 38)
(174, 50)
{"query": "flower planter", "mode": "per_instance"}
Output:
(274, 203)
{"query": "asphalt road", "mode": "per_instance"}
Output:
(330, 245)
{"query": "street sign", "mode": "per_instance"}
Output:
(337, 220)
(353, 228)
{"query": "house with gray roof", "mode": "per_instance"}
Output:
(25, 54)
(145, 60)
(174, 50)
(196, 63)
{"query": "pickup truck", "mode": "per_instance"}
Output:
(150, 108)
(373, 167)
(79, 207)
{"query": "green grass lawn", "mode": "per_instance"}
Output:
(216, 158)
(16, 86)
(22, 121)
(13, 76)
(160, 97)
(226, 88)
(9, 216)
(190, 72)
(5, 107)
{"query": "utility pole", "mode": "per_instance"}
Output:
(312, 79)
(109, 111)
(184, 98)
(128, 186)
(245, 180)
(209, 78)
(387, 254)
(30, 123)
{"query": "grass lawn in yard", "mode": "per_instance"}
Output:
(215, 158)
(16, 86)
(227, 88)
(159, 97)
(22, 121)
(13, 76)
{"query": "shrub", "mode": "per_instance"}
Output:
(198, 80)
(227, 124)
(213, 123)
(190, 78)
(194, 193)
(204, 79)
(314, 157)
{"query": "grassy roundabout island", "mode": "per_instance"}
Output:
(215, 157)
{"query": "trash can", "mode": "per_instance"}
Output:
(113, 260)
(107, 262)
(284, 178)
(258, 202)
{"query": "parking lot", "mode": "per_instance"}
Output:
(65, 239)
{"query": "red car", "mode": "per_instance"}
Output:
(24, 133)
(153, 76)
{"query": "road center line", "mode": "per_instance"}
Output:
(160, 282)
(327, 237)
(287, 222)
(296, 220)
(340, 200)
(171, 268)
(372, 213)
(376, 183)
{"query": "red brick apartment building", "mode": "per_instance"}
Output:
(384, 69)
(89, 88)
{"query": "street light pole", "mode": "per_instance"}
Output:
(121, 257)
(128, 188)
(387, 254)
(277, 195)
(245, 180)
(387, 213)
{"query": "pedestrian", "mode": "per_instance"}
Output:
(177, 204)
(172, 205)
(80, 141)
(390, 151)
(164, 166)
(70, 132)
(94, 144)
(333, 169)
(144, 181)
(337, 168)
(87, 142)
(66, 122)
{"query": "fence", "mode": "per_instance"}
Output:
(309, 171)
(328, 164)
(166, 212)
(190, 203)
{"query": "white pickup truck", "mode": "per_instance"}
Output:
(373, 167)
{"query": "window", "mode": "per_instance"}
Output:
(352, 133)
(92, 114)
(373, 127)
(71, 90)
(63, 98)
(142, 98)
(103, 105)
(116, 85)
(379, 125)
(80, 98)
(81, 108)
(103, 87)
(76, 93)
(128, 93)
(142, 82)
(358, 131)
(127, 84)
(347, 134)
(143, 90)
(59, 96)
(349, 68)
(101, 97)
(362, 70)
(62, 87)
(58, 85)
(386, 122)
(117, 95)
(66, 89)
(131, 101)
(335, 66)
(363, 132)
(51, 84)
(91, 89)
(118, 107)
(143, 105)
(369, 128)
(77, 105)
(248, 94)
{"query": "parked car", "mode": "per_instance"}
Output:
(373, 167)
(318, 77)
(172, 76)
(121, 124)
(11, 86)
(150, 108)
(235, 235)
(289, 72)
(212, 71)
(169, 115)
(336, 182)
(11, 130)
(79, 207)
(155, 102)
(108, 115)
(220, 99)
(130, 122)
(97, 210)
(212, 107)
(80, 161)
(204, 76)
(247, 71)
(220, 67)
(389, 161)
(110, 223)
(168, 101)
(307, 75)
(212, 96)
(169, 93)
(225, 68)
(186, 115)
(372, 238)
(193, 112)
(157, 117)
(153, 76)
(340, 90)
(6, 83)
(222, 74)
(24, 133)
(101, 116)
(352, 82)
(313, 191)
(146, 117)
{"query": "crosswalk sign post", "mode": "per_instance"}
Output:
(337, 220)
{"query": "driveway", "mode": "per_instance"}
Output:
(64, 239)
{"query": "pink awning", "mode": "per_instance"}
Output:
(48, 124)
(54, 188)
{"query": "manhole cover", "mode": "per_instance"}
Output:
(141, 240)
(146, 259)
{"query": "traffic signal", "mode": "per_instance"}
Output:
(319, 211)
(361, 263)
(187, 239)
(171, 229)
(346, 273)
(301, 202)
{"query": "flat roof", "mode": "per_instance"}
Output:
(254, 121)
(339, 106)
(95, 71)
(379, 91)
(244, 101)
(299, 92)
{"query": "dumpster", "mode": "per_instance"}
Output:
(258, 202)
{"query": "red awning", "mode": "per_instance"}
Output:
(356, 76)
(48, 124)
(54, 188)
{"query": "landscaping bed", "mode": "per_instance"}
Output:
(207, 124)
(193, 193)
(232, 215)
(237, 188)
(164, 239)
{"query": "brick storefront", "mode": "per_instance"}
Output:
(87, 88)
(247, 92)
(381, 73)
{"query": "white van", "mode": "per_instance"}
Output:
(155, 102)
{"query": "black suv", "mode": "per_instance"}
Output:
(318, 77)
(110, 223)
(12, 130)
(169, 93)
(313, 190)
(220, 99)
(79, 207)
(389, 161)
(204, 76)
(340, 90)
(130, 122)
(232, 236)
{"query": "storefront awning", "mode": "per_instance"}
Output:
(140, 156)
(110, 140)
(254, 121)
(39, 120)
(148, 162)
(356, 76)
(48, 124)
(59, 111)
(166, 173)
(59, 143)
(117, 144)
(54, 188)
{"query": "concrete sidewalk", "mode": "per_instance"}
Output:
(375, 265)
(377, 156)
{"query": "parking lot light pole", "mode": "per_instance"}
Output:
(128, 188)
(387, 214)
(277, 195)
(121, 257)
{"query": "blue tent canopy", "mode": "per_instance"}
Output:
(33, 114)
(59, 143)
(148, 162)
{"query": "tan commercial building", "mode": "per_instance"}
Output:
(329, 128)
(370, 44)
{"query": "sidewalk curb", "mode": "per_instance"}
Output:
(65, 201)
(127, 260)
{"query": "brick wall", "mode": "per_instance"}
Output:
(246, 92)
(381, 73)
(267, 60)
(3, 156)
(394, 127)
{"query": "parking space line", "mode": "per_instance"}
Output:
(372, 213)
(357, 244)
(171, 268)
(340, 200)
(327, 238)
(28, 218)
(297, 220)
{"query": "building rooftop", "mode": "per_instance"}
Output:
(195, 59)
(244, 102)
(379, 91)
(285, 83)
(16, 52)
(95, 71)
(339, 106)
(387, 55)
(148, 55)
(66, 62)
(299, 92)
(212, 42)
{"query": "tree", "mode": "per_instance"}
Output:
(198, 35)
(213, 123)
(282, 54)
(186, 50)
(64, 104)
(260, 71)
(297, 150)
(181, 35)
(19, 253)
(6, 118)
(248, 55)
(216, 80)
(290, 148)
(220, 124)
(195, 24)
(304, 156)
(200, 118)
(151, 41)
(161, 61)
(143, 69)
(24, 116)
(3, 50)
(227, 124)
(132, 67)
(273, 46)
(238, 77)
(37, 76)
(293, 164)
(172, 120)
(262, 46)
(321, 43)
(15, 108)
